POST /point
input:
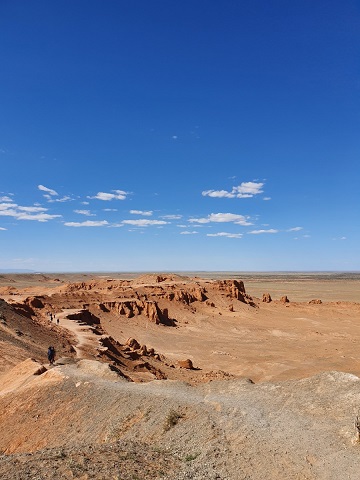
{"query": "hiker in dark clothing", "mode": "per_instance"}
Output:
(51, 355)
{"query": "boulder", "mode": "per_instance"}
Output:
(185, 364)
(316, 301)
(284, 299)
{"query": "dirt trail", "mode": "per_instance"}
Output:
(83, 333)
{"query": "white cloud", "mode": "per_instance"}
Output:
(306, 236)
(109, 209)
(171, 217)
(5, 199)
(85, 212)
(188, 233)
(65, 198)
(222, 218)
(144, 222)
(244, 190)
(116, 225)
(32, 209)
(2, 228)
(25, 213)
(9, 213)
(294, 229)
(218, 194)
(5, 205)
(249, 188)
(258, 232)
(145, 213)
(85, 203)
(87, 223)
(39, 217)
(50, 191)
(117, 195)
(225, 234)
(267, 198)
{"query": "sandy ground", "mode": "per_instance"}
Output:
(271, 341)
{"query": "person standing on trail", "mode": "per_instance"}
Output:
(51, 355)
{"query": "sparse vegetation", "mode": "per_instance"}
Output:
(172, 419)
(191, 457)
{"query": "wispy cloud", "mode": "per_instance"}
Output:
(108, 209)
(171, 217)
(87, 223)
(218, 194)
(188, 233)
(85, 212)
(32, 209)
(116, 225)
(145, 213)
(39, 217)
(2, 228)
(259, 232)
(116, 195)
(49, 191)
(267, 198)
(144, 222)
(223, 218)
(294, 229)
(225, 234)
(244, 190)
(65, 198)
(25, 213)
(6, 199)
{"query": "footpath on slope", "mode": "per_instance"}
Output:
(84, 334)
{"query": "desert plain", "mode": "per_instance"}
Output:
(203, 375)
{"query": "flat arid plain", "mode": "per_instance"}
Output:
(203, 375)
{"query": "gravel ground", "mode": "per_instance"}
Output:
(79, 421)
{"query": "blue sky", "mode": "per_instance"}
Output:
(153, 135)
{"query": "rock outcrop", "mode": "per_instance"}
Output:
(186, 296)
(284, 299)
(85, 316)
(132, 308)
(266, 298)
(35, 302)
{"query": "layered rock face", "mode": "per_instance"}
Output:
(151, 296)
(135, 307)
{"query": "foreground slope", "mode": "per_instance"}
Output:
(234, 429)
